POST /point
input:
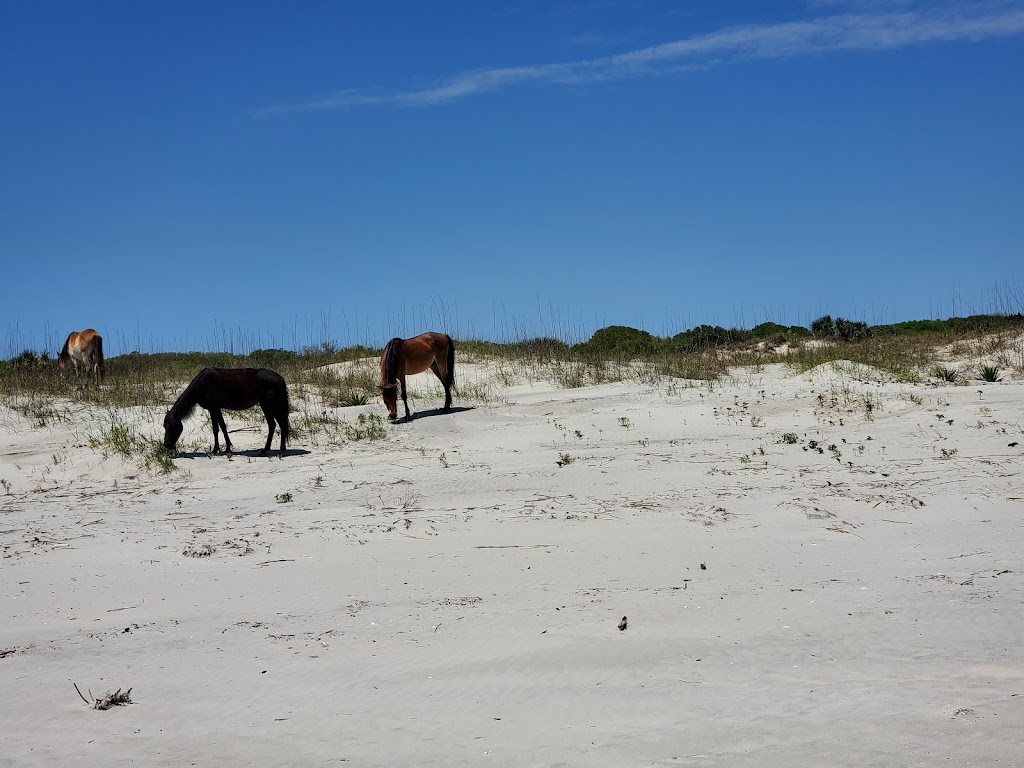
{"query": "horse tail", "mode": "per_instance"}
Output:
(101, 368)
(391, 355)
(450, 365)
(282, 419)
(64, 354)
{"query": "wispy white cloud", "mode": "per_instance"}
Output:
(842, 32)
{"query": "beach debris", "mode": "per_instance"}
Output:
(622, 624)
(1011, 445)
(200, 550)
(703, 567)
(116, 699)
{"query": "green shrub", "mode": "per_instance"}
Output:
(823, 327)
(620, 341)
(848, 330)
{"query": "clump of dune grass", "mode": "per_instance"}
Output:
(989, 373)
(124, 441)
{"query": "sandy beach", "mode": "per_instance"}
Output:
(823, 568)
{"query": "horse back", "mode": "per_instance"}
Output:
(82, 345)
(420, 351)
(238, 388)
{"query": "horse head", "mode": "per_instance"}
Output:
(172, 431)
(390, 394)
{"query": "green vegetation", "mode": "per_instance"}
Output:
(989, 373)
(324, 378)
(120, 439)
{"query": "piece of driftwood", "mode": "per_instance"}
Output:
(116, 699)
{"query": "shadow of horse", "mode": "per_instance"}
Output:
(434, 412)
(255, 453)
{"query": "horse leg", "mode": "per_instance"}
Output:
(447, 390)
(282, 422)
(270, 430)
(224, 429)
(405, 397)
(216, 417)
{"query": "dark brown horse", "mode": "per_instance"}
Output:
(404, 357)
(235, 389)
(85, 349)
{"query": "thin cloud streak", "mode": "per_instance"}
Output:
(846, 32)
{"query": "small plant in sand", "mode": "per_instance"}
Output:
(744, 459)
(443, 460)
(989, 373)
(369, 426)
(791, 438)
(283, 498)
(353, 398)
(943, 373)
(7, 486)
(836, 454)
(565, 459)
(756, 421)
(948, 453)
(870, 404)
(624, 422)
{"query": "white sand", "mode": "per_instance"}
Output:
(399, 612)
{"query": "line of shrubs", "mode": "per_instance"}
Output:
(614, 341)
(623, 341)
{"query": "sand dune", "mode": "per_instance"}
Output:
(450, 595)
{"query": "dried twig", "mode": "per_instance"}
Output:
(80, 693)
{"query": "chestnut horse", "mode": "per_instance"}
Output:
(235, 389)
(83, 348)
(404, 357)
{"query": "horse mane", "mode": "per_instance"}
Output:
(188, 400)
(391, 352)
(64, 355)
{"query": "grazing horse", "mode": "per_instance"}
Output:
(83, 348)
(236, 389)
(403, 357)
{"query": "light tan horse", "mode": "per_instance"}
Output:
(405, 357)
(83, 348)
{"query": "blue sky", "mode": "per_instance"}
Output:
(201, 175)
